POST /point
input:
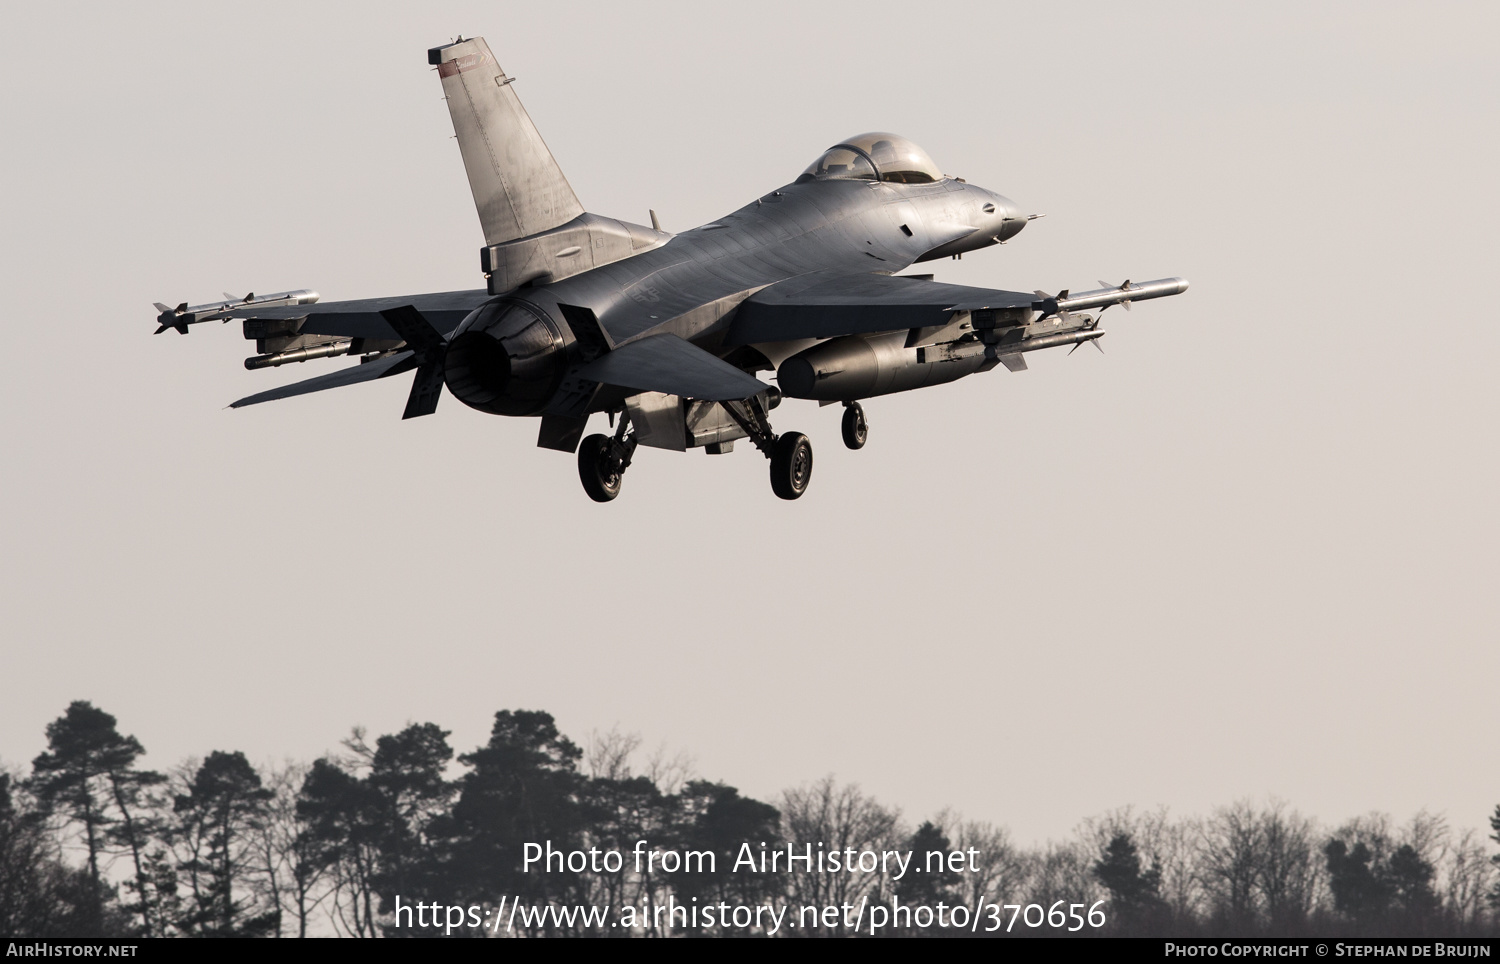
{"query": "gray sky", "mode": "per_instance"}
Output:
(1248, 552)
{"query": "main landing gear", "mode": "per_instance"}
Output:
(790, 454)
(602, 461)
(791, 465)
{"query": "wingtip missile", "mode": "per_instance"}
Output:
(1122, 294)
(183, 315)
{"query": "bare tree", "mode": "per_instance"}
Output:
(826, 817)
(1374, 830)
(294, 878)
(607, 756)
(1062, 871)
(1467, 877)
(1169, 845)
(1229, 862)
(1289, 870)
(1428, 835)
(999, 866)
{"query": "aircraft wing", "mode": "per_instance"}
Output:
(362, 318)
(666, 363)
(826, 304)
(352, 375)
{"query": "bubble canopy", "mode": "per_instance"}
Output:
(876, 156)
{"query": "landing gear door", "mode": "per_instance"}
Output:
(658, 420)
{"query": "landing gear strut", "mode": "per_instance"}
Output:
(790, 454)
(602, 461)
(856, 429)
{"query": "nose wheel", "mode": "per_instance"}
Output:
(856, 429)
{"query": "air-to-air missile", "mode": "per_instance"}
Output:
(185, 314)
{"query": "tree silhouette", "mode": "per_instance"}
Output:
(88, 776)
(919, 886)
(1359, 889)
(1135, 896)
(330, 845)
(1410, 884)
(223, 807)
(40, 896)
(522, 787)
(1495, 826)
(409, 799)
(342, 837)
(719, 820)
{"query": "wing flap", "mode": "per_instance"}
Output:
(826, 305)
(666, 363)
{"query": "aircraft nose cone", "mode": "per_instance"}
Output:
(1014, 219)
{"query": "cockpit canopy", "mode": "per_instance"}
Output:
(875, 156)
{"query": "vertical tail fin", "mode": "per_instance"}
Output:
(518, 187)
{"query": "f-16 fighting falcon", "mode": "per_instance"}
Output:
(665, 333)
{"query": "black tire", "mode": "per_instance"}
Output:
(791, 465)
(856, 429)
(599, 469)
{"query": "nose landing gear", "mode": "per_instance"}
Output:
(855, 428)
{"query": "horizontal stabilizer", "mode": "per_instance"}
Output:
(666, 363)
(353, 375)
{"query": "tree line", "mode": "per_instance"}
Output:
(93, 844)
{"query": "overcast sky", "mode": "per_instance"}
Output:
(1249, 552)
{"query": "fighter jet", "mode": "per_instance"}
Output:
(666, 333)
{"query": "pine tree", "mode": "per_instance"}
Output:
(522, 787)
(224, 805)
(88, 777)
(929, 880)
(1360, 890)
(1135, 896)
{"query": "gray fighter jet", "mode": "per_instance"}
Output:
(585, 314)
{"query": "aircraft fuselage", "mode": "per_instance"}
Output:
(510, 356)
